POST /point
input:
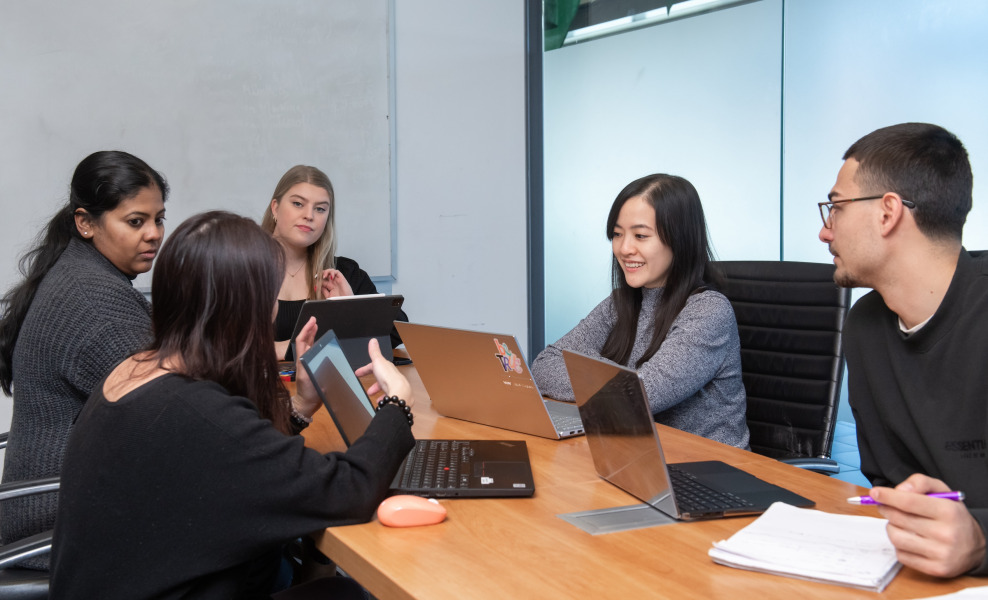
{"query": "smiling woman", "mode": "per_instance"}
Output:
(301, 217)
(73, 317)
(663, 316)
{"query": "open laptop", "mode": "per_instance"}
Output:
(355, 319)
(439, 468)
(483, 378)
(627, 453)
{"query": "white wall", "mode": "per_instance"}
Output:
(461, 164)
(222, 97)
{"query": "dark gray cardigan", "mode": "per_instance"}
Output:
(85, 318)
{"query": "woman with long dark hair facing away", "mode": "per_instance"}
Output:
(75, 316)
(184, 471)
(663, 317)
(301, 216)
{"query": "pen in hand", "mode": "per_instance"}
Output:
(956, 496)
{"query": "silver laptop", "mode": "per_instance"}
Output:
(438, 468)
(482, 377)
(626, 451)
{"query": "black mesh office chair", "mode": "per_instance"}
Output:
(790, 318)
(17, 583)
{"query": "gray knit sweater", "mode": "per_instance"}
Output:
(85, 318)
(693, 381)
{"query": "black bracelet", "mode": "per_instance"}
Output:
(299, 421)
(400, 404)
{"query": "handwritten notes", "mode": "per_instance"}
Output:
(808, 544)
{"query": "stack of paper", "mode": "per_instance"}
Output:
(809, 544)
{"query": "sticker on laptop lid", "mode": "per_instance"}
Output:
(508, 359)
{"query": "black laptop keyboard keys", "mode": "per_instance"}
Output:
(693, 496)
(438, 464)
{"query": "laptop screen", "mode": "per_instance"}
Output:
(620, 431)
(339, 387)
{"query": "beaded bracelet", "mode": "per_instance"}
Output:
(400, 404)
(299, 419)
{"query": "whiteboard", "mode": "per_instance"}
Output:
(222, 97)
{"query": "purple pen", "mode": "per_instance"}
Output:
(956, 496)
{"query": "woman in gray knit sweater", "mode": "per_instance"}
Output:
(73, 318)
(662, 317)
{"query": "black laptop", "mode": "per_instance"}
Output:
(355, 319)
(626, 451)
(437, 468)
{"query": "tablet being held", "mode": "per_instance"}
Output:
(72, 318)
(663, 317)
(301, 217)
(185, 465)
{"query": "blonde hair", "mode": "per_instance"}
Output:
(322, 254)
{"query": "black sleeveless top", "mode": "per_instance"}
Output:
(284, 321)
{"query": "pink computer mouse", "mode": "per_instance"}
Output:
(410, 511)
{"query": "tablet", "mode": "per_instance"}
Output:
(355, 319)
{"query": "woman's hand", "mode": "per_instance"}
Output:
(306, 397)
(389, 379)
(332, 284)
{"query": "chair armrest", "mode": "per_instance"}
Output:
(3, 439)
(825, 466)
(16, 489)
(40, 543)
(15, 552)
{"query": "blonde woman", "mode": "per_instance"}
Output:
(301, 217)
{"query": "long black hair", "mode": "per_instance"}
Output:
(680, 224)
(100, 183)
(213, 292)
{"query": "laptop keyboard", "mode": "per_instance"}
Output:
(438, 464)
(693, 496)
(567, 423)
(565, 417)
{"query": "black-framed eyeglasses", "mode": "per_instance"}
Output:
(827, 208)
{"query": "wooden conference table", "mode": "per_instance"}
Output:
(519, 548)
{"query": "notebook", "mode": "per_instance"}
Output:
(851, 550)
(439, 468)
(483, 378)
(627, 453)
(355, 319)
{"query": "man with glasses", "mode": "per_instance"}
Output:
(917, 346)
